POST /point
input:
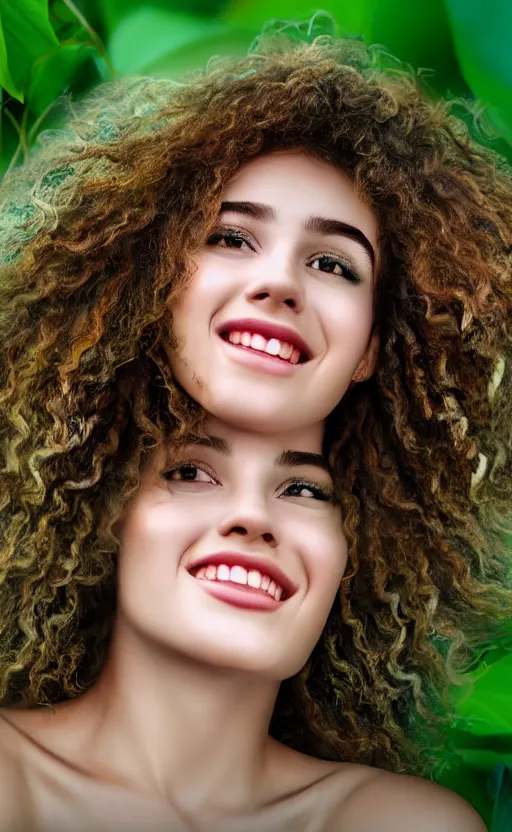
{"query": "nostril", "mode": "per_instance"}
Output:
(291, 303)
(268, 537)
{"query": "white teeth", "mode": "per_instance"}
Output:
(258, 342)
(273, 347)
(285, 351)
(223, 572)
(238, 575)
(254, 578)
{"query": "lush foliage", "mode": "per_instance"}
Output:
(48, 47)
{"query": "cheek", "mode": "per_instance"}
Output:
(347, 321)
(154, 540)
(208, 287)
(326, 559)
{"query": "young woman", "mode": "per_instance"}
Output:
(327, 211)
(231, 556)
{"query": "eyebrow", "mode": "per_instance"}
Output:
(286, 459)
(291, 459)
(318, 225)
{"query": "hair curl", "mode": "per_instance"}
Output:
(97, 236)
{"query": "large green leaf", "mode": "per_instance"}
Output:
(146, 36)
(191, 56)
(353, 17)
(6, 79)
(28, 35)
(483, 38)
(114, 11)
(482, 734)
(53, 73)
(419, 35)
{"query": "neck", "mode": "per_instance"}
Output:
(193, 733)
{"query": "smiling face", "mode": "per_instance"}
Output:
(232, 551)
(277, 319)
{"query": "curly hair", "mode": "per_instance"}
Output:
(98, 234)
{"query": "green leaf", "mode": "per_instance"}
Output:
(481, 33)
(28, 35)
(114, 11)
(192, 56)
(145, 37)
(422, 39)
(53, 73)
(352, 17)
(6, 79)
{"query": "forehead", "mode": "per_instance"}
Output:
(296, 184)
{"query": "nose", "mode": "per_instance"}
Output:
(251, 522)
(275, 287)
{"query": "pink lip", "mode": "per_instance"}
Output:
(249, 562)
(240, 596)
(269, 330)
(260, 361)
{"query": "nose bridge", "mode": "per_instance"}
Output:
(278, 279)
(248, 511)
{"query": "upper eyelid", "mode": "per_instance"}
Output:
(327, 487)
(344, 258)
(175, 465)
(246, 235)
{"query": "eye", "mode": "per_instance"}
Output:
(229, 238)
(189, 472)
(334, 265)
(301, 488)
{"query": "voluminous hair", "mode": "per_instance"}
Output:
(98, 233)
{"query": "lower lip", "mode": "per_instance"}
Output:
(260, 360)
(239, 596)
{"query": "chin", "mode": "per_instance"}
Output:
(243, 412)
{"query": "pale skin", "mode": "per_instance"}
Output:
(175, 732)
(297, 247)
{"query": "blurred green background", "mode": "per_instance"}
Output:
(47, 47)
(461, 48)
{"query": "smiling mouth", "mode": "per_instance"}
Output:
(253, 581)
(271, 347)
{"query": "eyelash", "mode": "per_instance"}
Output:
(319, 493)
(233, 234)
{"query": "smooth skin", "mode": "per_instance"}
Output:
(295, 246)
(174, 735)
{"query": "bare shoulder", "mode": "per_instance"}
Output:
(399, 803)
(14, 796)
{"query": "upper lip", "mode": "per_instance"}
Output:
(268, 329)
(248, 562)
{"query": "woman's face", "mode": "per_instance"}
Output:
(232, 551)
(277, 319)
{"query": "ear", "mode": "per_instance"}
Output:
(366, 366)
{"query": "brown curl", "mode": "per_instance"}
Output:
(98, 234)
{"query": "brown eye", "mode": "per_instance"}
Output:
(332, 265)
(188, 473)
(229, 238)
